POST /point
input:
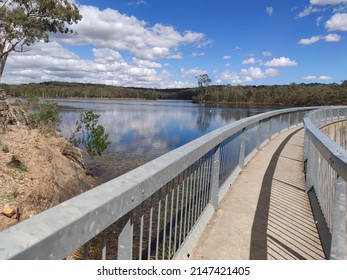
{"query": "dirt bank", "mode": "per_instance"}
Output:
(35, 175)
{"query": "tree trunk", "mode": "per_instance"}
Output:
(2, 64)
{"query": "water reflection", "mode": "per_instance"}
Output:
(143, 130)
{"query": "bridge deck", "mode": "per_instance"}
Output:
(266, 214)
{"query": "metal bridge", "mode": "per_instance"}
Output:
(239, 192)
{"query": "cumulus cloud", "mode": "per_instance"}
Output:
(50, 62)
(251, 60)
(332, 38)
(226, 57)
(267, 54)
(312, 77)
(309, 41)
(193, 72)
(110, 29)
(281, 62)
(337, 22)
(256, 72)
(327, 2)
(269, 10)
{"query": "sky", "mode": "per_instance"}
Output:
(167, 44)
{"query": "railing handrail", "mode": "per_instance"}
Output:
(327, 176)
(330, 150)
(48, 233)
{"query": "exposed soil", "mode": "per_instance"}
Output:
(35, 175)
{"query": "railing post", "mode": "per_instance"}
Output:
(259, 132)
(215, 178)
(270, 128)
(297, 118)
(338, 239)
(309, 164)
(125, 239)
(242, 148)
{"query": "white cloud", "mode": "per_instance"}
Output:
(332, 38)
(110, 29)
(309, 41)
(256, 72)
(198, 54)
(193, 72)
(137, 3)
(281, 62)
(269, 10)
(327, 2)
(312, 77)
(308, 10)
(337, 22)
(319, 20)
(251, 61)
(267, 54)
(226, 57)
(50, 62)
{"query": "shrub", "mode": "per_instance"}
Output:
(47, 118)
(5, 148)
(90, 134)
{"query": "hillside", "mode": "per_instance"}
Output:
(34, 173)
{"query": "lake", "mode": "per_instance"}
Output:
(143, 130)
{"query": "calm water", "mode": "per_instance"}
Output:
(143, 130)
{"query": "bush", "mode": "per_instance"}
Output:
(5, 148)
(90, 134)
(47, 118)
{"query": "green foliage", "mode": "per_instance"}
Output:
(203, 80)
(47, 117)
(90, 134)
(17, 163)
(24, 22)
(13, 195)
(5, 148)
(288, 95)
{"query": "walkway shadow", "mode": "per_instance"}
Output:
(283, 226)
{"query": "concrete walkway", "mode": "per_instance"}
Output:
(266, 213)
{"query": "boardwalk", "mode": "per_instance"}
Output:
(266, 214)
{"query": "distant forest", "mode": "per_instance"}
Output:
(290, 95)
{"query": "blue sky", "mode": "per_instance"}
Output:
(166, 44)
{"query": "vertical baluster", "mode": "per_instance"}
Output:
(186, 201)
(141, 230)
(158, 226)
(150, 229)
(176, 214)
(182, 207)
(165, 218)
(104, 244)
(171, 218)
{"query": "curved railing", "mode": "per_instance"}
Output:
(326, 176)
(156, 211)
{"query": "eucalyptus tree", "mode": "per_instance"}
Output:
(204, 81)
(25, 22)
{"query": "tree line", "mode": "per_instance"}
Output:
(313, 94)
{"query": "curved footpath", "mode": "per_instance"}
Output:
(266, 213)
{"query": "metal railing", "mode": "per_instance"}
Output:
(156, 211)
(326, 174)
